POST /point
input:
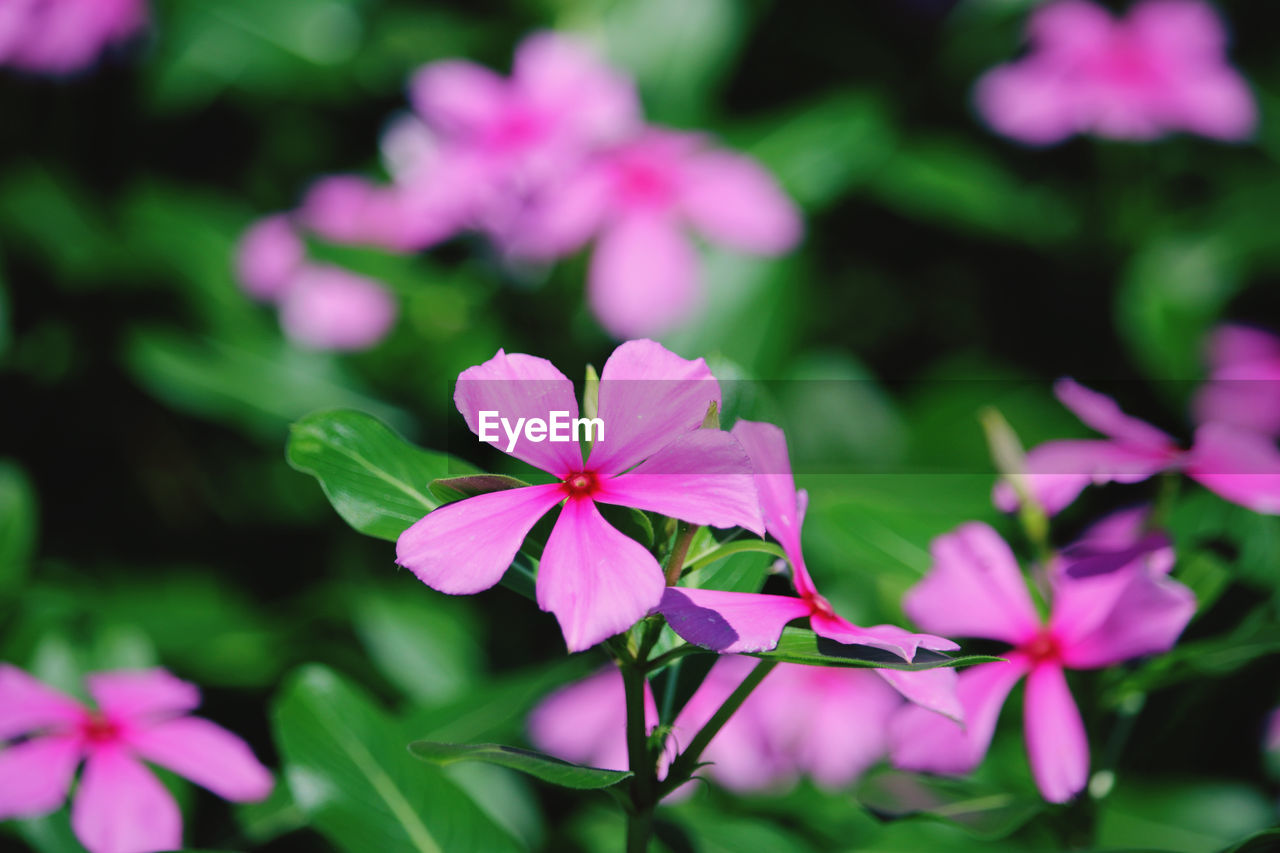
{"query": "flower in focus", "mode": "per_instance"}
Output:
(731, 622)
(597, 581)
(1242, 466)
(976, 589)
(119, 805)
(1160, 69)
(62, 36)
(637, 200)
(321, 306)
(1243, 389)
(586, 722)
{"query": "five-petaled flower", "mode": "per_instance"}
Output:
(63, 36)
(597, 581)
(1158, 70)
(119, 806)
(975, 589)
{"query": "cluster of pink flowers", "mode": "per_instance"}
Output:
(62, 36)
(546, 161)
(1161, 69)
(119, 806)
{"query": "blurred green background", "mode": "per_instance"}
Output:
(147, 514)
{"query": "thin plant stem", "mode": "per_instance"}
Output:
(675, 561)
(644, 780)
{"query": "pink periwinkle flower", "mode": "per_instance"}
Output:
(976, 589)
(638, 201)
(62, 36)
(1243, 389)
(321, 306)
(586, 722)
(119, 805)
(1160, 69)
(1240, 465)
(653, 456)
(732, 622)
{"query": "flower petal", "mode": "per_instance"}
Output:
(1028, 101)
(923, 740)
(596, 581)
(207, 754)
(643, 277)
(457, 97)
(703, 477)
(730, 621)
(565, 78)
(840, 720)
(974, 588)
(1056, 742)
(1237, 464)
(932, 689)
(516, 386)
(138, 693)
(35, 775)
(465, 547)
(1057, 471)
(1070, 28)
(649, 397)
(28, 705)
(329, 308)
(585, 722)
(1103, 414)
(732, 199)
(1217, 103)
(890, 638)
(268, 256)
(1103, 620)
(121, 807)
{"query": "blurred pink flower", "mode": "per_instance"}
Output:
(270, 253)
(638, 200)
(731, 622)
(1160, 69)
(586, 722)
(62, 36)
(1242, 466)
(119, 805)
(597, 581)
(1243, 389)
(976, 589)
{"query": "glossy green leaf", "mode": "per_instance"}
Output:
(800, 645)
(449, 489)
(984, 810)
(544, 767)
(347, 768)
(378, 482)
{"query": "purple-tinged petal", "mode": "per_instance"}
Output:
(27, 705)
(1189, 32)
(270, 253)
(465, 547)
(121, 807)
(730, 621)
(1116, 541)
(1233, 344)
(596, 581)
(1070, 28)
(134, 694)
(733, 200)
(1058, 471)
(1028, 102)
(586, 722)
(1103, 620)
(458, 98)
(207, 754)
(923, 740)
(1239, 465)
(931, 689)
(565, 78)
(702, 477)
(643, 277)
(1103, 414)
(561, 220)
(974, 589)
(516, 387)
(329, 308)
(838, 720)
(1056, 742)
(35, 775)
(766, 444)
(649, 397)
(1218, 104)
(1244, 382)
(890, 638)
(350, 209)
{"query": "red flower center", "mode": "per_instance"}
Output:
(581, 485)
(98, 729)
(1041, 648)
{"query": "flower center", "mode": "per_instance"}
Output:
(645, 184)
(98, 729)
(1041, 648)
(821, 606)
(582, 484)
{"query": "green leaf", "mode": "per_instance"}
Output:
(800, 645)
(984, 810)
(1261, 842)
(728, 549)
(17, 524)
(544, 767)
(450, 489)
(346, 766)
(377, 481)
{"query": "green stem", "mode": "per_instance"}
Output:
(686, 763)
(669, 657)
(675, 561)
(643, 799)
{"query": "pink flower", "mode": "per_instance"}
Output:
(732, 622)
(1244, 380)
(1240, 465)
(586, 722)
(976, 589)
(638, 200)
(119, 805)
(1160, 69)
(61, 36)
(270, 253)
(653, 456)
